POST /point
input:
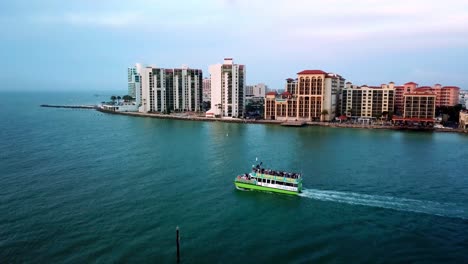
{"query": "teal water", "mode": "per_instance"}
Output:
(82, 186)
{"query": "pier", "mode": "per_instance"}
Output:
(71, 106)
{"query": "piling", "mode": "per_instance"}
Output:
(178, 245)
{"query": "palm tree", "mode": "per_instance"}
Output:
(127, 98)
(118, 98)
(113, 99)
(324, 113)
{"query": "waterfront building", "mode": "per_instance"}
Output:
(167, 90)
(463, 98)
(445, 95)
(418, 109)
(313, 96)
(463, 119)
(367, 101)
(400, 90)
(249, 91)
(270, 105)
(134, 82)
(420, 105)
(258, 90)
(206, 89)
(291, 86)
(227, 89)
(121, 107)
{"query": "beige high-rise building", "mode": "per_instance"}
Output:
(312, 97)
(367, 101)
(419, 105)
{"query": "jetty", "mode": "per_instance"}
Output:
(71, 106)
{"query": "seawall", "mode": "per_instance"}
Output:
(277, 122)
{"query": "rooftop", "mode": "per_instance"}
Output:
(312, 72)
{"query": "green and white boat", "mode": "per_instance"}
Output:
(261, 179)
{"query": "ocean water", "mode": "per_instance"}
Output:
(80, 186)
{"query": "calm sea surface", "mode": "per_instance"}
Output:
(81, 186)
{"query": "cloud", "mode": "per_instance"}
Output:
(298, 24)
(111, 20)
(106, 20)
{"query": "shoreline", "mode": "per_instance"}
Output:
(277, 122)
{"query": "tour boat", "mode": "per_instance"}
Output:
(261, 179)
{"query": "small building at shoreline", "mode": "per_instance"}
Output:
(463, 121)
(121, 107)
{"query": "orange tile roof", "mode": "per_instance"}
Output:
(312, 72)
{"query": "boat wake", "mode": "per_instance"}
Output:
(388, 202)
(242, 189)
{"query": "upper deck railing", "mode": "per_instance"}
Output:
(277, 177)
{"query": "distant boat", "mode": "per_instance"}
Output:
(261, 179)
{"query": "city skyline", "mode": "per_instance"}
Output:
(84, 45)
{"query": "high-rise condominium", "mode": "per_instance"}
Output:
(367, 101)
(167, 90)
(227, 89)
(206, 89)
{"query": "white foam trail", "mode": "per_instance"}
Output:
(388, 202)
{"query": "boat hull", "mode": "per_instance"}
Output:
(254, 187)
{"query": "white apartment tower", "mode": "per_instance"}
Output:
(134, 82)
(227, 89)
(167, 90)
(258, 90)
(206, 89)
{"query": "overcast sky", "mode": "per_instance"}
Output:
(88, 45)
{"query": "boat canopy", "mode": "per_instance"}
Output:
(258, 169)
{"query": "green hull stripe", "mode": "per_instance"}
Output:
(262, 188)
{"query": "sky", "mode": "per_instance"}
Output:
(89, 44)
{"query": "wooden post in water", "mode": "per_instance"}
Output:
(177, 242)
